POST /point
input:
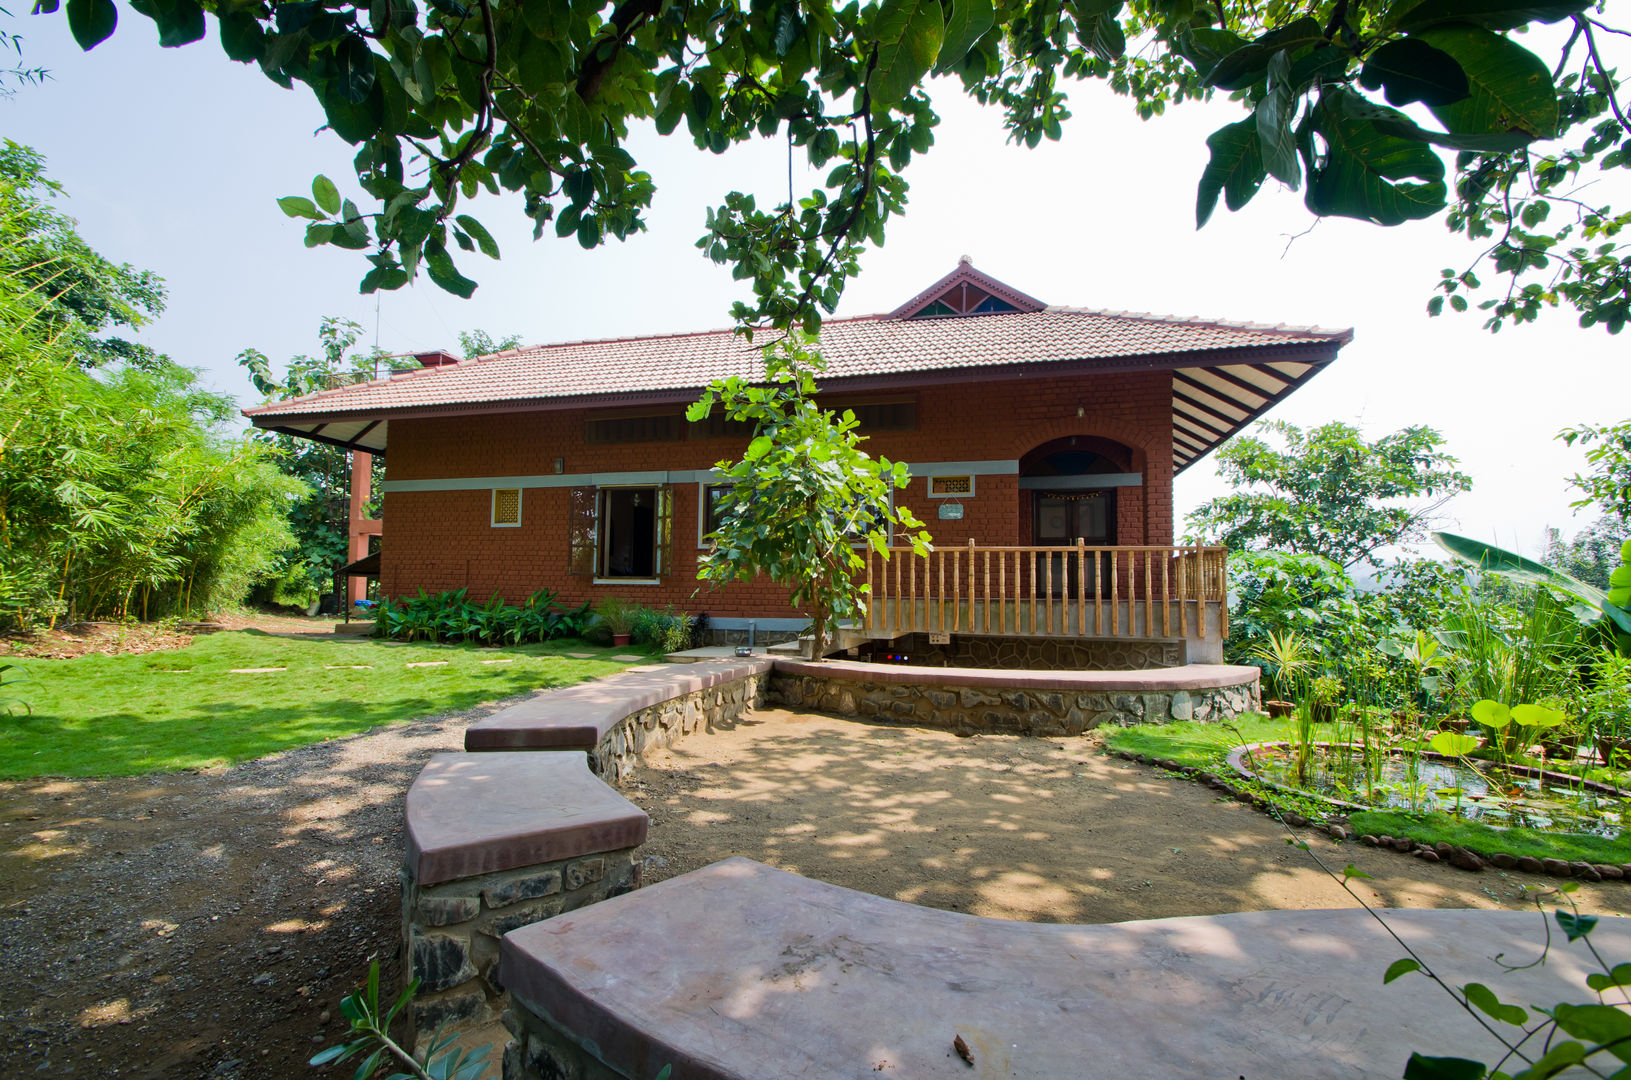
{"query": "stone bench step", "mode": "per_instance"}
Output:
(578, 717)
(739, 970)
(471, 814)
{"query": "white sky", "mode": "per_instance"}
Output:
(173, 160)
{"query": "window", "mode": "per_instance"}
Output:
(947, 487)
(709, 510)
(506, 507)
(621, 533)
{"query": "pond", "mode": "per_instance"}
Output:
(1481, 791)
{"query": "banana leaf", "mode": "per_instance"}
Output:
(1591, 603)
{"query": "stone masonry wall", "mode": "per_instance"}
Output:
(968, 710)
(450, 931)
(660, 725)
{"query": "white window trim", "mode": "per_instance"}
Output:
(969, 494)
(492, 510)
(626, 581)
(702, 512)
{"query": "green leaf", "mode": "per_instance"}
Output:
(1273, 115)
(1443, 1068)
(1350, 872)
(1491, 714)
(440, 266)
(1598, 1024)
(1509, 88)
(1537, 716)
(1577, 927)
(1366, 173)
(970, 21)
(758, 448)
(1490, 14)
(1400, 967)
(1104, 37)
(1411, 70)
(325, 193)
(1509, 564)
(242, 38)
(1235, 169)
(300, 206)
(1619, 976)
(383, 277)
(909, 33)
(478, 231)
(1484, 1000)
(1246, 65)
(1453, 744)
(1206, 46)
(180, 22)
(588, 233)
(91, 21)
(354, 65)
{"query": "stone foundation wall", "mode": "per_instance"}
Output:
(968, 710)
(450, 931)
(615, 758)
(1038, 654)
(761, 637)
(538, 1050)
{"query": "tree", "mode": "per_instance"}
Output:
(88, 295)
(1328, 492)
(321, 521)
(1608, 453)
(1592, 553)
(120, 492)
(804, 496)
(480, 343)
(539, 98)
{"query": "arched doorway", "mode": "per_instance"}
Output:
(1071, 486)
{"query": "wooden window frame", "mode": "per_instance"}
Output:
(662, 556)
(492, 514)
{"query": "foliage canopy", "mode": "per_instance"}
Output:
(454, 97)
(804, 497)
(1329, 492)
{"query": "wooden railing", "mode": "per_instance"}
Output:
(1075, 591)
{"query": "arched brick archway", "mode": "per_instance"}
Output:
(1074, 458)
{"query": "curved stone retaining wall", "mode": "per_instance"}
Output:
(521, 827)
(972, 701)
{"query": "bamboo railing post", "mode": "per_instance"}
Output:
(1081, 587)
(1149, 596)
(1036, 601)
(871, 595)
(1098, 593)
(940, 590)
(1002, 587)
(956, 589)
(1047, 591)
(1115, 589)
(1188, 566)
(971, 626)
(1166, 599)
(988, 590)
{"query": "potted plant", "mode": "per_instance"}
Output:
(1284, 658)
(1324, 693)
(618, 617)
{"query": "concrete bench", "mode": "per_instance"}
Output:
(738, 970)
(617, 718)
(496, 841)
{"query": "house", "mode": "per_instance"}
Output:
(1027, 426)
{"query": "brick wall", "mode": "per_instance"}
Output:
(440, 540)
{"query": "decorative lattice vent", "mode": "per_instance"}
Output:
(506, 506)
(951, 485)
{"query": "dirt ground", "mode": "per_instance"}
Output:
(115, 638)
(207, 924)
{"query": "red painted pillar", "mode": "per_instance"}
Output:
(360, 527)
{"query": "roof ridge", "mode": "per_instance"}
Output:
(673, 336)
(1202, 320)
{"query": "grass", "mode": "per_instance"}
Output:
(185, 709)
(1574, 847)
(1205, 746)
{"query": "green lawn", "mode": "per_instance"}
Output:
(186, 709)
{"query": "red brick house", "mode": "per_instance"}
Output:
(572, 466)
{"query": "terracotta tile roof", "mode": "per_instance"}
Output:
(855, 348)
